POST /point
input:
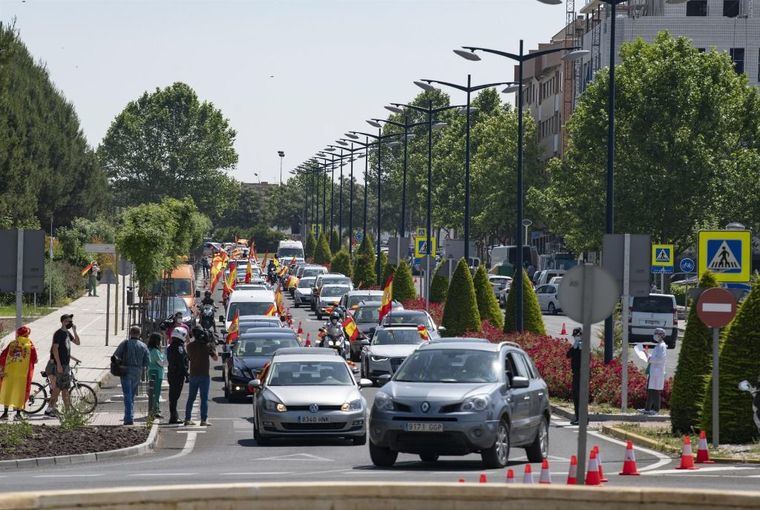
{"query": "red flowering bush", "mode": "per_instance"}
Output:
(435, 310)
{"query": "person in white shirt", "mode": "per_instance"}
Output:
(656, 371)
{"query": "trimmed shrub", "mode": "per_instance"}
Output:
(488, 307)
(309, 245)
(341, 263)
(439, 286)
(693, 370)
(460, 314)
(364, 265)
(388, 271)
(739, 360)
(533, 321)
(322, 253)
(334, 241)
(403, 283)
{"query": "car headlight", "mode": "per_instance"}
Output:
(354, 405)
(477, 403)
(379, 358)
(271, 405)
(384, 402)
(237, 372)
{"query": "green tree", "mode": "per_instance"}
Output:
(694, 365)
(322, 253)
(439, 286)
(80, 232)
(738, 361)
(309, 245)
(364, 268)
(334, 241)
(381, 263)
(169, 144)
(460, 314)
(533, 321)
(192, 228)
(488, 306)
(341, 263)
(403, 283)
(388, 271)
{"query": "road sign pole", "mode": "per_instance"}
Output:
(624, 320)
(19, 277)
(115, 296)
(715, 387)
(123, 299)
(108, 309)
(587, 285)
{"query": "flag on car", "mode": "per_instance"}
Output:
(87, 269)
(264, 263)
(234, 332)
(349, 326)
(278, 301)
(271, 311)
(423, 331)
(252, 251)
(386, 304)
(248, 272)
(229, 285)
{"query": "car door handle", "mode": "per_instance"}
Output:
(526, 397)
(540, 393)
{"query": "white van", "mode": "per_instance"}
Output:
(545, 276)
(647, 313)
(287, 250)
(249, 302)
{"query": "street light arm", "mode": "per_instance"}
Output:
(364, 134)
(428, 110)
(489, 85)
(524, 58)
(495, 52)
(453, 85)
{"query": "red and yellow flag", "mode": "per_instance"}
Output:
(282, 271)
(229, 285)
(87, 269)
(252, 251)
(264, 262)
(349, 326)
(271, 311)
(422, 330)
(278, 302)
(248, 272)
(234, 332)
(386, 304)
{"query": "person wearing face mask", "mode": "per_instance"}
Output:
(574, 353)
(58, 370)
(656, 371)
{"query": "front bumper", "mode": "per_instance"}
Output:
(336, 423)
(302, 299)
(377, 368)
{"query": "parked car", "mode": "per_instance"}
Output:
(545, 276)
(548, 298)
(387, 350)
(647, 313)
(461, 396)
(499, 282)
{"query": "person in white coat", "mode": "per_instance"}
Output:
(656, 371)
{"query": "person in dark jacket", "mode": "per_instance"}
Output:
(177, 371)
(574, 353)
(134, 357)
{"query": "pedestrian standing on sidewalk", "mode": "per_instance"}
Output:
(134, 359)
(177, 371)
(16, 369)
(92, 280)
(574, 353)
(656, 371)
(156, 364)
(58, 370)
(200, 351)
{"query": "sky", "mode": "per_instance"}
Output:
(290, 75)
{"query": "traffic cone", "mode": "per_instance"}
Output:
(592, 476)
(564, 330)
(703, 456)
(510, 476)
(528, 475)
(461, 480)
(599, 461)
(572, 474)
(300, 329)
(307, 343)
(483, 478)
(629, 464)
(687, 459)
(546, 475)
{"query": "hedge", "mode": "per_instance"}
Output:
(488, 306)
(533, 321)
(403, 283)
(460, 313)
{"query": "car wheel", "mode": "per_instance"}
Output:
(296, 304)
(319, 316)
(382, 457)
(497, 455)
(428, 457)
(539, 449)
(359, 440)
(671, 341)
(552, 309)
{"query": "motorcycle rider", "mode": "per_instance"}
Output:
(333, 322)
(207, 322)
(207, 299)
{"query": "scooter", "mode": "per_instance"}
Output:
(755, 392)
(208, 322)
(332, 337)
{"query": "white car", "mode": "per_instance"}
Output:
(548, 298)
(388, 350)
(499, 283)
(650, 312)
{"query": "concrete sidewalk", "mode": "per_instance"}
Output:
(90, 319)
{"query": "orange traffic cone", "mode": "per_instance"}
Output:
(510, 476)
(572, 475)
(599, 461)
(703, 456)
(564, 330)
(546, 475)
(461, 480)
(687, 459)
(528, 475)
(483, 478)
(307, 343)
(300, 329)
(629, 464)
(592, 476)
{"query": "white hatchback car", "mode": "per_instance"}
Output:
(548, 298)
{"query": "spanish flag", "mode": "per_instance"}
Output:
(271, 311)
(229, 285)
(252, 251)
(386, 305)
(422, 330)
(264, 262)
(87, 269)
(278, 302)
(349, 326)
(283, 270)
(234, 332)
(248, 272)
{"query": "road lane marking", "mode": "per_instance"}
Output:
(158, 474)
(300, 457)
(258, 474)
(697, 471)
(663, 460)
(65, 475)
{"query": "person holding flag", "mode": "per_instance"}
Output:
(234, 332)
(386, 304)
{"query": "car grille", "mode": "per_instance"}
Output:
(321, 408)
(403, 407)
(451, 408)
(443, 443)
(314, 426)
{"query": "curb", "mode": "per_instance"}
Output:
(610, 417)
(82, 458)
(640, 440)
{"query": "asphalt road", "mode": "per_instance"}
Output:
(226, 452)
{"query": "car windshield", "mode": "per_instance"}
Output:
(250, 308)
(263, 346)
(336, 280)
(450, 366)
(653, 304)
(367, 314)
(396, 337)
(305, 283)
(333, 291)
(312, 271)
(358, 298)
(290, 253)
(414, 319)
(303, 373)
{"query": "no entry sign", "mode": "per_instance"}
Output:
(716, 307)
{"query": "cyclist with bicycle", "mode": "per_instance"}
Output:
(58, 369)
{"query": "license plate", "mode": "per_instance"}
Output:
(652, 322)
(424, 427)
(313, 419)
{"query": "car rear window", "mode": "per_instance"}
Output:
(653, 304)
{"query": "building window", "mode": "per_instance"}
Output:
(696, 8)
(737, 56)
(731, 8)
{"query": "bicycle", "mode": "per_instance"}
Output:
(83, 397)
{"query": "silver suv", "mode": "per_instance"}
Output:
(457, 396)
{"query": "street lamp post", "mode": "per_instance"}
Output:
(282, 155)
(351, 151)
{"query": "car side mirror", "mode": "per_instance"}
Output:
(197, 293)
(364, 342)
(383, 379)
(365, 383)
(221, 318)
(254, 384)
(520, 382)
(441, 328)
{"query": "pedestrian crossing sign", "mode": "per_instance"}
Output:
(662, 258)
(726, 253)
(420, 247)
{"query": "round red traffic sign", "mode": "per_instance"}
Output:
(716, 307)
